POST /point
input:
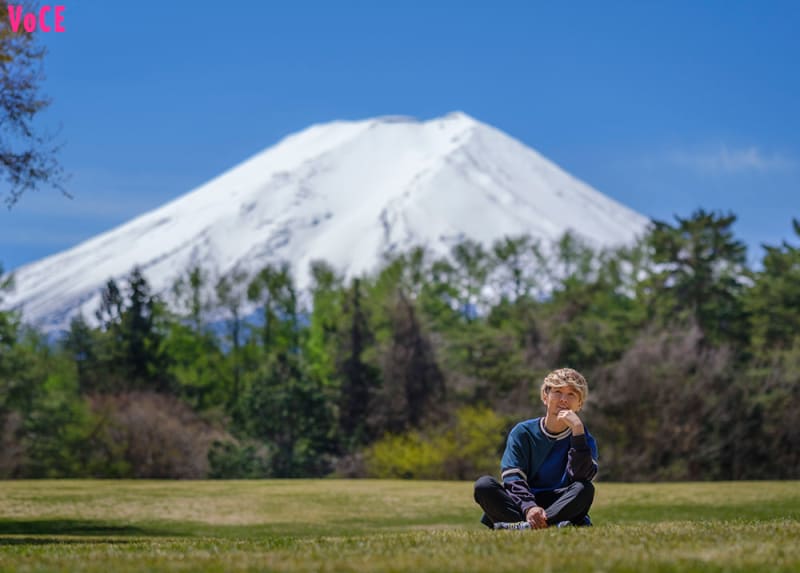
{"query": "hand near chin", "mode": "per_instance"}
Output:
(572, 420)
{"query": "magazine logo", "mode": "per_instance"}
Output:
(31, 20)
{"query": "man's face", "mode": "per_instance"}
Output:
(562, 398)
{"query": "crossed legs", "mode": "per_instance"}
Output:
(570, 503)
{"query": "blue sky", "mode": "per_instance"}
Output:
(664, 106)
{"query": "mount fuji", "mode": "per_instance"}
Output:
(345, 192)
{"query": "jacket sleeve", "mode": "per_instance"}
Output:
(582, 459)
(519, 492)
(513, 467)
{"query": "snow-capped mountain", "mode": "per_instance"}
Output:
(344, 192)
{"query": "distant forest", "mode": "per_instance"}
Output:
(419, 370)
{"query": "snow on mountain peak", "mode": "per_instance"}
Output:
(344, 192)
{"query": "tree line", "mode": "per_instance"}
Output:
(419, 369)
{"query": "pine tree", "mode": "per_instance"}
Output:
(359, 379)
(413, 387)
(286, 408)
(231, 295)
(196, 361)
(774, 300)
(83, 344)
(274, 291)
(519, 262)
(700, 273)
(133, 333)
(8, 320)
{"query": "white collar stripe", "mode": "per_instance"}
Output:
(559, 436)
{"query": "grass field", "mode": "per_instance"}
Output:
(333, 525)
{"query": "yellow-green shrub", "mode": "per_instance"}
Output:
(468, 447)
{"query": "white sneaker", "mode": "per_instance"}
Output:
(512, 525)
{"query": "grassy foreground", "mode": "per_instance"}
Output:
(363, 525)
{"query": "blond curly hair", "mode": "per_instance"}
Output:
(566, 377)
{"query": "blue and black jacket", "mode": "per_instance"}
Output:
(536, 460)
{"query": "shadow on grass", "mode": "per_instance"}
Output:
(76, 527)
(8, 541)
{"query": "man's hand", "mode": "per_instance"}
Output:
(537, 517)
(572, 420)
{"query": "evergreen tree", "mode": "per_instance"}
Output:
(773, 302)
(109, 314)
(359, 379)
(472, 266)
(143, 336)
(11, 389)
(592, 317)
(273, 290)
(572, 261)
(84, 345)
(196, 362)
(413, 385)
(134, 330)
(656, 327)
(699, 276)
(8, 320)
(190, 299)
(58, 424)
(231, 295)
(325, 322)
(519, 263)
(287, 409)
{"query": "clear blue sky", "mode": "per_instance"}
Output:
(665, 106)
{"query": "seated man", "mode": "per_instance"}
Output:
(547, 466)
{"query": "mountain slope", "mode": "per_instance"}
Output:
(344, 192)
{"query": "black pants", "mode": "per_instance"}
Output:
(569, 503)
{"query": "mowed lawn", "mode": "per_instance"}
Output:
(366, 525)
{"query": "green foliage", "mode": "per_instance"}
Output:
(9, 328)
(230, 291)
(484, 363)
(771, 392)
(230, 460)
(190, 298)
(467, 448)
(87, 347)
(691, 357)
(41, 388)
(273, 290)
(593, 317)
(699, 274)
(407, 456)
(131, 349)
(413, 385)
(8, 320)
(358, 378)
(56, 429)
(573, 260)
(518, 262)
(325, 321)
(196, 362)
(197, 366)
(773, 303)
(286, 407)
